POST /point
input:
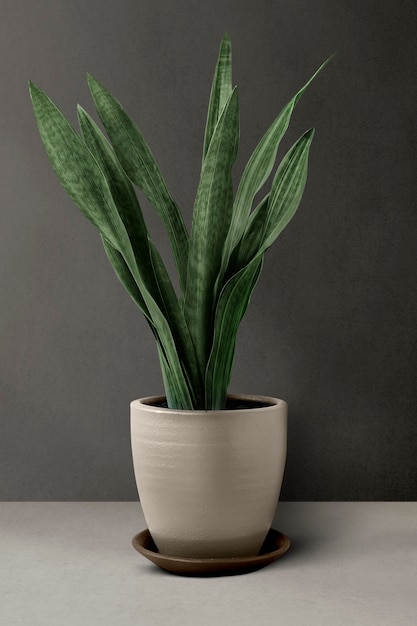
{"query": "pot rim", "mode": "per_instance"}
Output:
(150, 403)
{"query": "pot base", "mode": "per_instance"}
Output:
(275, 545)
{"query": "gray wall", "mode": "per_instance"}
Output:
(332, 325)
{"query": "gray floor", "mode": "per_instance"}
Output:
(71, 564)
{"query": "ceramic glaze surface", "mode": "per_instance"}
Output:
(209, 481)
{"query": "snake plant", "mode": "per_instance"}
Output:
(219, 262)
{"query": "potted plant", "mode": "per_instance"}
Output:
(208, 466)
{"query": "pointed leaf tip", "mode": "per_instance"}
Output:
(92, 81)
(33, 89)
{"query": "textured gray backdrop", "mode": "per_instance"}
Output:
(332, 325)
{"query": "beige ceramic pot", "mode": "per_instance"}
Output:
(209, 481)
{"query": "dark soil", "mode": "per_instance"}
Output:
(232, 404)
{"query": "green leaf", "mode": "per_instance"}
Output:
(256, 172)
(129, 283)
(173, 399)
(175, 315)
(121, 189)
(272, 216)
(79, 171)
(86, 184)
(125, 276)
(140, 165)
(267, 221)
(221, 89)
(211, 218)
(149, 262)
(220, 264)
(179, 393)
(230, 310)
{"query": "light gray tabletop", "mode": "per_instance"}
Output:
(72, 564)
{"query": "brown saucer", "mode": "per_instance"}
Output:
(275, 545)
